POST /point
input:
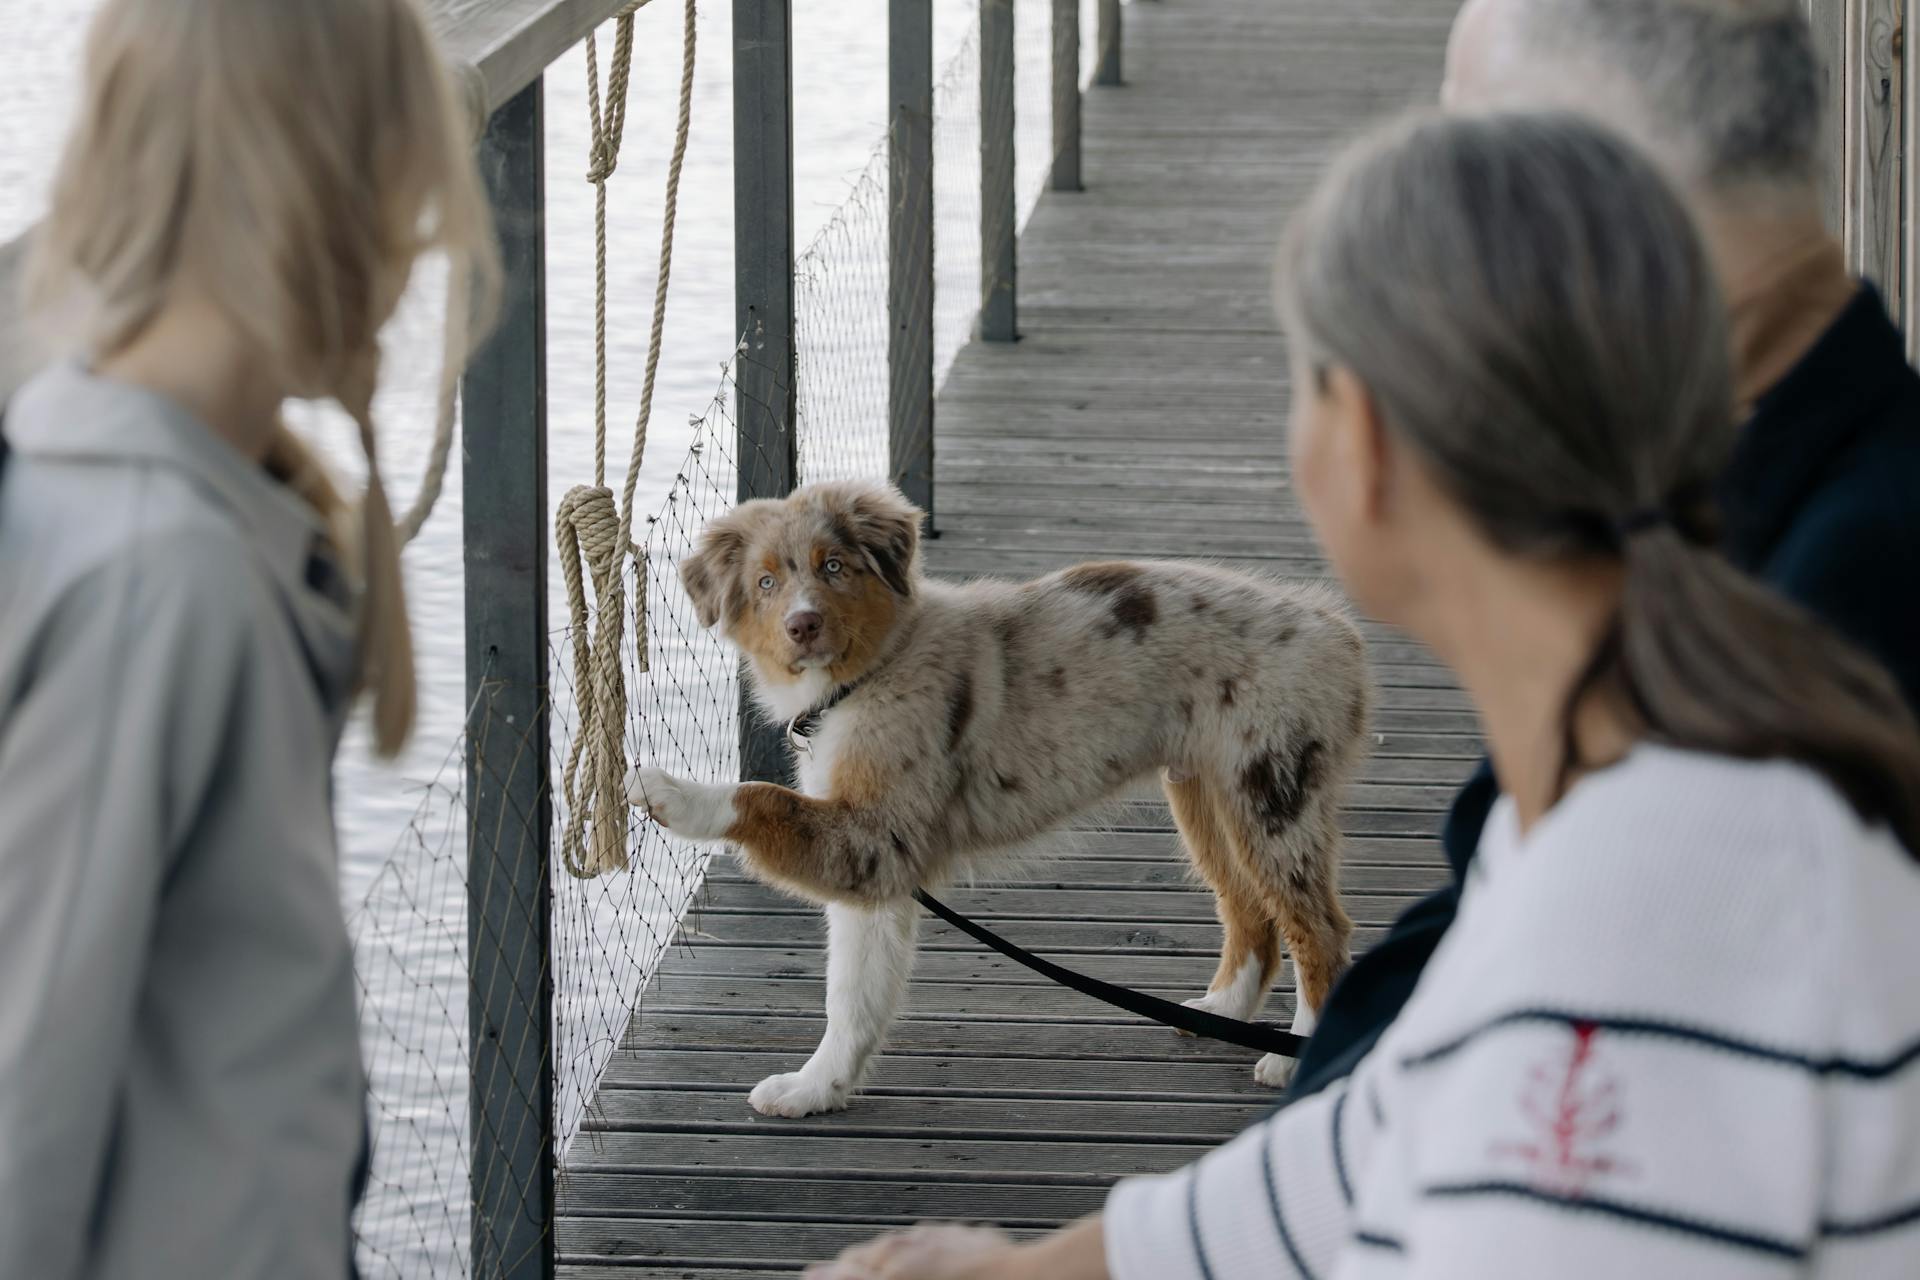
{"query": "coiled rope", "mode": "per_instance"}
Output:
(589, 527)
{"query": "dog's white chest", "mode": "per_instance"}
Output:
(814, 761)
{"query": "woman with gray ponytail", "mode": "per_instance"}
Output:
(1674, 1031)
(1554, 361)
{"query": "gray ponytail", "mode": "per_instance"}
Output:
(1534, 313)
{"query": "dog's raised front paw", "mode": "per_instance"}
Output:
(1274, 1071)
(690, 809)
(797, 1094)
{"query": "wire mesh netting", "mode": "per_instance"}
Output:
(840, 328)
(607, 935)
(957, 114)
(841, 300)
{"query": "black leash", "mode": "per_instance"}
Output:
(1248, 1035)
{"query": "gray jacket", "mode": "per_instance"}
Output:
(181, 1093)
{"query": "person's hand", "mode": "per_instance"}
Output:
(930, 1251)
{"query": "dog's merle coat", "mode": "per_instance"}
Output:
(974, 717)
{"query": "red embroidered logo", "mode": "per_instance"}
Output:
(1571, 1109)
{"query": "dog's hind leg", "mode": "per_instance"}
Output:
(1317, 928)
(869, 960)
(1293, 853)
(1250, 952)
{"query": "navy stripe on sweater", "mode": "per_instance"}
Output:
(1339, 1155)
(1193, 1224)
(1679, 1033)
(1693, 1228)
(1279, 1215)
(1892, 1220)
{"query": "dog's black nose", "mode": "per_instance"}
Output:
(803, 628)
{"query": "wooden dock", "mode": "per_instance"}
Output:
(1142, 414)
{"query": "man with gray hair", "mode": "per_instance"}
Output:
(1822, 498)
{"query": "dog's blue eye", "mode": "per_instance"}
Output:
(766, 582)
(833, 566)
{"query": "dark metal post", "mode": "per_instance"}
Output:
(1109, 35)
(999, 294)
(1066, 95)
(910, 249)
(763, 291)
(510, 826)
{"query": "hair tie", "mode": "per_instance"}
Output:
(1641, 520)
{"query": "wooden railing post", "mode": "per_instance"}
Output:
(999, 212)
(1873, 89)
(1109, 34)
(1066, 95)
(763, 292)
(510, 820)
(910, 249)
(1908, 69)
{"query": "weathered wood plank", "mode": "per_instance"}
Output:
(1048, 903)
(667, 1271)
(926, 999)
(1873, 95)
(1009, 1159)
(977, 968)
(822, 1199)
(905, 1118)
(1085, 1040)
(1063, 937)
(677, 1242)
(508, 43)
(920, 1075)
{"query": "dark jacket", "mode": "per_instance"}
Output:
(1822, 501)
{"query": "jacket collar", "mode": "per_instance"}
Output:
(70, 414)
(1805, 421)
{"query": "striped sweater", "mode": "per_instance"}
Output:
(1675, 1032)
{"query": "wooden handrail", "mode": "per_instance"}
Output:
(504, 45)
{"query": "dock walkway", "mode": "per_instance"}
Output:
(1141, 415)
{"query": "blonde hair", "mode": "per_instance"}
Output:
(291, 161)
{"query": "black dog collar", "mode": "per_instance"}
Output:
(802, 727)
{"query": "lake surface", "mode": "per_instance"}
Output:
(401, 832)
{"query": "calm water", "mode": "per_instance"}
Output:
(410, 949)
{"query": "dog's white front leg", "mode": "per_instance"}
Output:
(869, 960)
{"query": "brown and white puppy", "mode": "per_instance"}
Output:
(962, 720)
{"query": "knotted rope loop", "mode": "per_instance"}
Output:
(589, 526)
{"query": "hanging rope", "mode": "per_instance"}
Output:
(455, 335)
(445, 411)
(589, 527)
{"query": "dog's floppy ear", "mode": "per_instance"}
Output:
(884, 527)
(711, 574)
